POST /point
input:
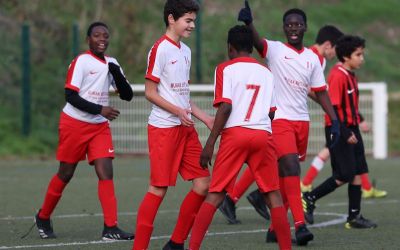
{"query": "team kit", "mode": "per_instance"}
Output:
(262, 122)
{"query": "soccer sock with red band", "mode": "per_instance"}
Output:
(201, 224)
(189, 208)
(293, 193)
(108, 201)
(365, 183)
(242, 185)
(284, 199)
(145, 220)
(281, 227)
(316, 166)
(53, 195)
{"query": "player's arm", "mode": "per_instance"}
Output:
(246, 16)
(123, 86)
(223, 113)
(311, 94)
(152, 95)
(73, 97)
(364, 125)
(201, 115)
(325, 102)
(345, 132)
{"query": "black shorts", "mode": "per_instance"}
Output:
(348, 160)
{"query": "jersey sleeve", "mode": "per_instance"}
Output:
(337, 82)
(273, 102)
(155, 63)
(317, 80)
(75, 75)
(222, 85)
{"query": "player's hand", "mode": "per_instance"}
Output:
(183, 115)
(352, 139)
(113, 68)
(109, 113)
(334, 134)
(245, 14)
(206, 155)
(364, 126)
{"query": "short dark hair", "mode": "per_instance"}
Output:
(178, 8)
(347, 44)
(241, 38)
(95, 24)
(295, 11)
(328, 33)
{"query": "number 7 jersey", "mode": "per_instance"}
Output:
(248, 86)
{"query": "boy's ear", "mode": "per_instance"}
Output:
(171, 19)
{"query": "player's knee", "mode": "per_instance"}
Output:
(289, 165)
(65, 176)
(201, 185)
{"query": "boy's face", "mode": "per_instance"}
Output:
(184, 25)
(329, 51)
(98, 40)
(356, 59)
(294, 28)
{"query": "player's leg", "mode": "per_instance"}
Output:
(369, 190)
(316, 166)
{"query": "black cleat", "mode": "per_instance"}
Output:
(271, 237)
(170, 245)
(228, 209)
(308, 207)
(303, 236)
(256, 199)
(45, 228)
(115, 233)
(360, 223)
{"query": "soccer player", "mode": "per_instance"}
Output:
(296, 69)
(244, 96)
(174, 146)
(348, 158)
(324, 48)
(84, 130)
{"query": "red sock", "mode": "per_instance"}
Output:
(293, 193)
(201, 224)
(316, 166)
(145, 219)
(281, 226)
(53, 195)
(108, 202)
(284, 200)
(365, 183)
(242, 185)
(189, 208)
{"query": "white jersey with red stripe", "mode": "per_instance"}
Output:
(249, 87)
(295, 73)
(321, 58)
(90, 77)
(168, 65)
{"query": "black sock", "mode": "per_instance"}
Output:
(328, 186)
(354, 192)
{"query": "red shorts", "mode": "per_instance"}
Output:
(173, 150)
(77, 138)
(242, 145)
(290, 137)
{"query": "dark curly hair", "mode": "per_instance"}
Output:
(347, 44)
(178, 8)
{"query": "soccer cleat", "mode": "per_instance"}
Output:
(305, 188)
(45, 228)
(257, 200)
(271, 237)
(115, 233)
(360, 223)
(308, 207)
(303, 235)
(373, 193)
(170, 245)
(228, 209)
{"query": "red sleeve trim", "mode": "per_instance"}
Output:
(263, 53)
(220, 100)
(153, 78)
(69, 86)
(152, 58)
(71, 71)
(272, 109)
(319, 89)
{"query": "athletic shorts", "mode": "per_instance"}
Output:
(348, 160)
(239, 146)
(76, 139)
(290, 137)
(173, 150)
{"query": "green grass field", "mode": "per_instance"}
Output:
(78, 222)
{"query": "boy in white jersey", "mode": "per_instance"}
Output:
(244, 96)
(84, 130)
(296, 69)
(174, 146)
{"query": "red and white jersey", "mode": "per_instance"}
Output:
(321, 58)
(168, 65)
(90, 77)
(295, 73)
(249, 87)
